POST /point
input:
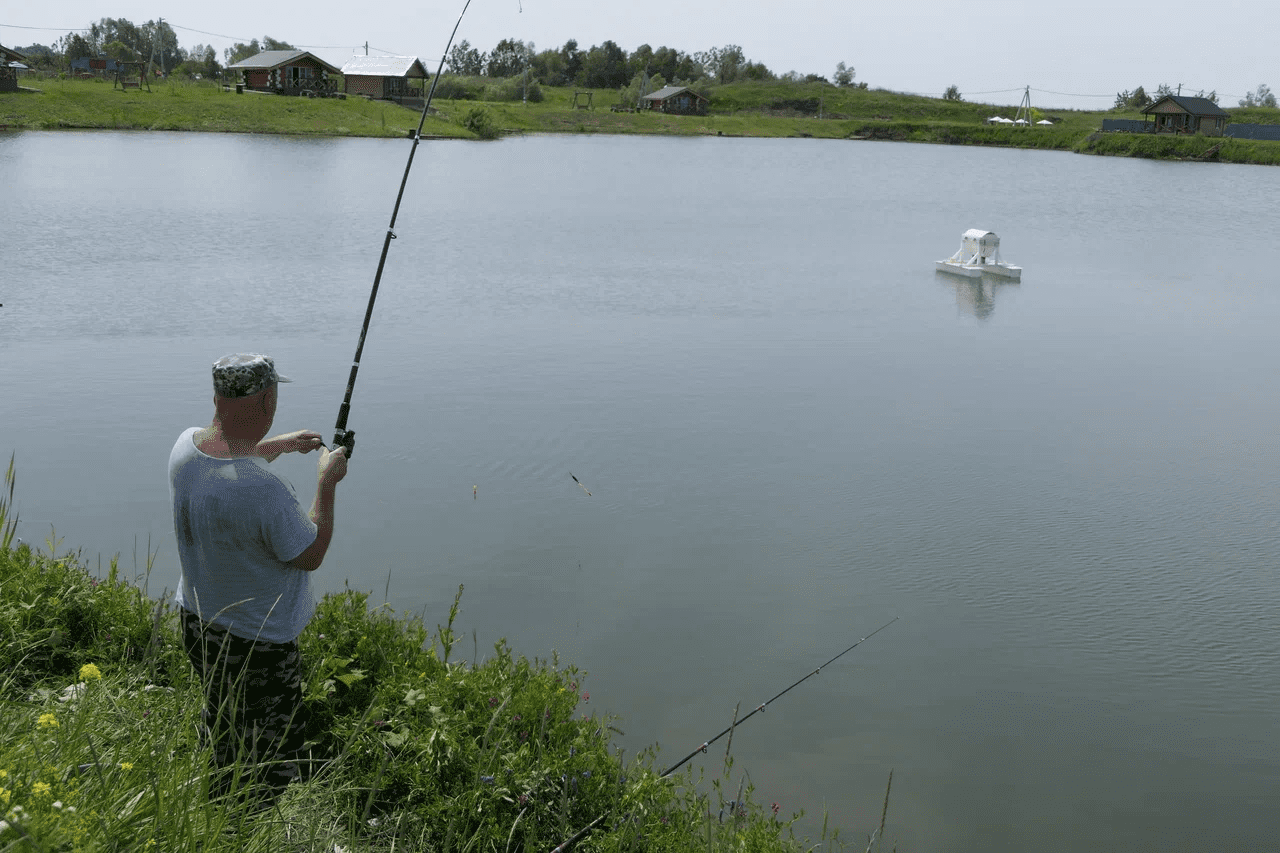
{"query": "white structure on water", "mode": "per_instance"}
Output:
(979, 253)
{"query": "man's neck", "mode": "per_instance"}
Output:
(211, 441)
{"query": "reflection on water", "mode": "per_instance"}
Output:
(788, 441)
(976, 296)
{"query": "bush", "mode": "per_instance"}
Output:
(513, 89)
(453, 88)
(480, 122)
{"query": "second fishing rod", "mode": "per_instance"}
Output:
(343, 437)
(702, 748)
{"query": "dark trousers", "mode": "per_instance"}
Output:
(253, 713)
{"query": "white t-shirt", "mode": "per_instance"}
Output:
(238, 525)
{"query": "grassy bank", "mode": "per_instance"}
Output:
(756, 109)
(53, 104)
(99, 748)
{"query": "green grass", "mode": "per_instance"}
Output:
(99, 748)
(204, 106)
(757, 109)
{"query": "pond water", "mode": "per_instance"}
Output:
(792, 428)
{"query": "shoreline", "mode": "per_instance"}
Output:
(739, 111)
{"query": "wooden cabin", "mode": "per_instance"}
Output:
(287, 72)
(11, 62)
(680, 100)
(385, 78)
(1179, 114)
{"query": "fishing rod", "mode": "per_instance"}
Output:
(705, 744)
(343, 437)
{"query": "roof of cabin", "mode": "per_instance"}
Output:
(669, 92)
(384, 66)
(1193, 106)
(268, 59)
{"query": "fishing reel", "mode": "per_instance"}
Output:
(345, 438)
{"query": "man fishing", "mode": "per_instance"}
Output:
(247, 549)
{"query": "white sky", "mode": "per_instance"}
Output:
(989, 50)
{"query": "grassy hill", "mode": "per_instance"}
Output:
(475, 109)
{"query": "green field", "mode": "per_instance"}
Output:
(758, 109)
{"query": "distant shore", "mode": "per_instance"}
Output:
(762, 110)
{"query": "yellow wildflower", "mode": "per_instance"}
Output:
(90, 672)
(47, 721)
(4, 796)
(126, 765)
(40, 789)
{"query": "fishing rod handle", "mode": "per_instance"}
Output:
(345, 438)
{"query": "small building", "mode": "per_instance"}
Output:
(287, 72)
(680, 100)
(385, 78)
(96, 66)
(1179, 114)
(11, 62)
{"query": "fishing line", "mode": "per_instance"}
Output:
(343, 437)
(705, 744)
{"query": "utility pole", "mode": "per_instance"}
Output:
(1179, 88)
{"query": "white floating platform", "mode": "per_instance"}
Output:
(979, 255)
(978, 270)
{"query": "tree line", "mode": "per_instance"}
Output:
(608, 66)
(1139, 99)
(603, 66)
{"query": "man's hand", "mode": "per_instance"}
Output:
(302, 441)
(332, 466)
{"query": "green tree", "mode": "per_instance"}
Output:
(722, 64)
(268, 43)
(604, 67)
(76, 46)
(952, 94)
(1260, 97)
(844, 75)
(119, 51)
(573, 59)
(466, 60)
(509, 58)
(640, 61)
(1135, 100)
(239, 51)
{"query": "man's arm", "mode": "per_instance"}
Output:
(302, 441)
(332, 468)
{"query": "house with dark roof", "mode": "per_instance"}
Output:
(385, 78)
(1180, 114)
(287, 72)
(11, 62)
(676, 99)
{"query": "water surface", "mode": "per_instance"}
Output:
(793, 430)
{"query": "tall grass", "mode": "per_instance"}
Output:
(413, 749)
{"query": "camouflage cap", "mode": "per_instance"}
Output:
(244, 374)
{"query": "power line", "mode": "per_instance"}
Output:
(50, 29)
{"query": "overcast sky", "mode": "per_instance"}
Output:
(991, 50)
